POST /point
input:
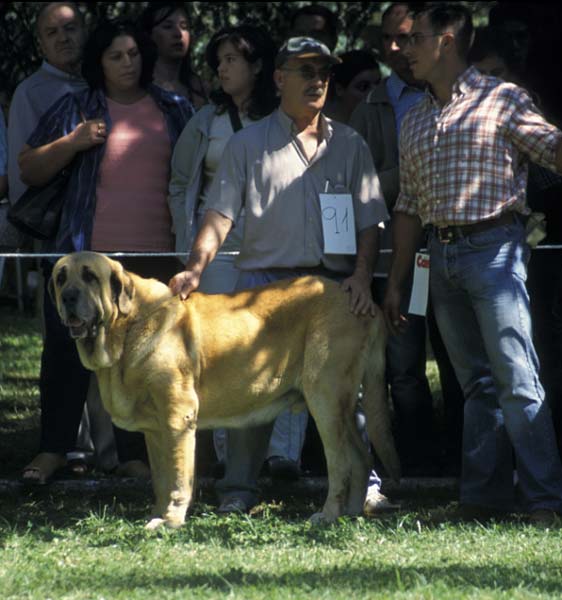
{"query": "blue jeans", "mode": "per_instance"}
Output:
(482, 308)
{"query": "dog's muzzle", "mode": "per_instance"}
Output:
(79, 327)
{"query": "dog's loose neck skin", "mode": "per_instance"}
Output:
(106, 349)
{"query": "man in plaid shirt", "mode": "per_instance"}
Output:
(464, 153)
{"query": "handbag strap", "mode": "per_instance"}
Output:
(234, 118)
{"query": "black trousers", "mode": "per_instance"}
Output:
(63, 382)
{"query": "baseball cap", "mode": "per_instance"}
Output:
(304, 47)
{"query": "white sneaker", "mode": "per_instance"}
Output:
(375, 502)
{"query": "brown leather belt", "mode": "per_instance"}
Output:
(452, 233)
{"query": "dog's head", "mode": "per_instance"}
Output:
(90, 291)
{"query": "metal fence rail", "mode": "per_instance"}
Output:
(180, 254)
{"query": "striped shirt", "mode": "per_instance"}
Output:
(468, 161)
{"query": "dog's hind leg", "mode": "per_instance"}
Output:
(334, 425)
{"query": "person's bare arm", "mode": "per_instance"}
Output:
(406, 233)
(39, 165)
(211, 236)
(359, 284)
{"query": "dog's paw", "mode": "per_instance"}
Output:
(155, 523)
(158, 522)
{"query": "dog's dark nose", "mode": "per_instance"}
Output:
(70, 297)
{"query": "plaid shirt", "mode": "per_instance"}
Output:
(468, 161)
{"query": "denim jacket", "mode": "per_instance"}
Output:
(75, 230)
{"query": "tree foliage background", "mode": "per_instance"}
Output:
(19, 54)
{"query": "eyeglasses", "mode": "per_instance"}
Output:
(310, 73)
(415, 39)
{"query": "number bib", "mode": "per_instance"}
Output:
(338, 224)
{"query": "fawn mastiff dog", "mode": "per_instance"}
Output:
(166, 367)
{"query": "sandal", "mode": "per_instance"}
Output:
(41, 470)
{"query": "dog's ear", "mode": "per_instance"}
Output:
(61, 274)
(51, 289)
(123, 290)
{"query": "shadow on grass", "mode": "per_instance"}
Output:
(39, 506)
(374, 578)
(107, 521)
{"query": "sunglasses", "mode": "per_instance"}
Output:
(310, 73)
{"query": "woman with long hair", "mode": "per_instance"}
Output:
(243, 60)
(167, 24)
(117, 138)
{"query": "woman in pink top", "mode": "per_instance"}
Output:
(119, 136)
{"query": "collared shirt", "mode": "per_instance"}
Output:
(62, 118)
(468, 161)
(402, 96)
(32, 98)
(264, 170)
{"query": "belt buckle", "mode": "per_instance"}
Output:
(445, 234)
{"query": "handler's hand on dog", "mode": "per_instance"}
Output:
(360, 297)
(396, 322)
(184, 283)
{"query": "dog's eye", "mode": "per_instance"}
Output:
(88, 276)
(61, 278)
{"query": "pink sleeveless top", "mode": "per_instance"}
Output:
(132, 211)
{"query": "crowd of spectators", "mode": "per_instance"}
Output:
(228, 172)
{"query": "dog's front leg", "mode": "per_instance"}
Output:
(172, 461)
(159, 476)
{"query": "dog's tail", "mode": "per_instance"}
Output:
(375, 400)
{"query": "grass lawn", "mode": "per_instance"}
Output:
(81, 543)
(20, 352)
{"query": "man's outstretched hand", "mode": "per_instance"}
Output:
(184, 283)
